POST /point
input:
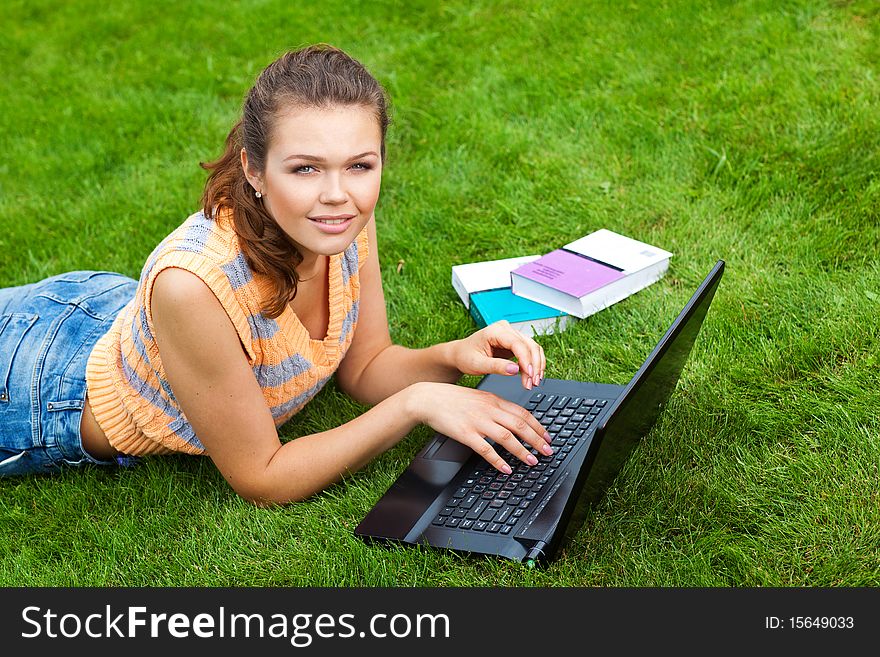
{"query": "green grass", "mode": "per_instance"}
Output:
(747, 131)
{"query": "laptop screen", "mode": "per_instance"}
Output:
(633, 414)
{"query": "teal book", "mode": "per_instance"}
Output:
(528, 317)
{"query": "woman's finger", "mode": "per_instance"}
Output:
(542, 360)
(505, 438)
(485, 450)
(523, 424)
(528, 354)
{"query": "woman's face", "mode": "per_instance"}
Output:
(322, 177)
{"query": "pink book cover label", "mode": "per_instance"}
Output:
(569, 273)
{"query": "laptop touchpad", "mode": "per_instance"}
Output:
(451, 450)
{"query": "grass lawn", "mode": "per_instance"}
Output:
(747, 131)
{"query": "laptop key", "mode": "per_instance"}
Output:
(494, 527)
(469, 501)
(504, 514)
(488, 515)
(478, 508)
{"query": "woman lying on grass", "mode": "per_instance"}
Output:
(243, 313)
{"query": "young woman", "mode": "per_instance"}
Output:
(243, 313)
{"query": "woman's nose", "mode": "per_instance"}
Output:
(333, 192)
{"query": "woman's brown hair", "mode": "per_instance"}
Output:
(317, 76)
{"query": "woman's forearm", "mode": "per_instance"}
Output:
(307, 465)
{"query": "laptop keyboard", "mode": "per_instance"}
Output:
(490, 501)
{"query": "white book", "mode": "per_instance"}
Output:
(486, 275)
(591, 273)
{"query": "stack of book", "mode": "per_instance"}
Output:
(484, 289)
(542, 294)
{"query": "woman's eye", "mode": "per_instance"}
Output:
(306, 168)
(362, 166)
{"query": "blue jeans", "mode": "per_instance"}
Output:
(47, 331)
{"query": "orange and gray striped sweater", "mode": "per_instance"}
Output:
(127, 387)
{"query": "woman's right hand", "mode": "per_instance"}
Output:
(470, 416)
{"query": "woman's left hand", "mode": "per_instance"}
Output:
(488, 351)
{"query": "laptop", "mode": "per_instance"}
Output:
(449, 497)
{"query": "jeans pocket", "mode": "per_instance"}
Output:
(13, 328)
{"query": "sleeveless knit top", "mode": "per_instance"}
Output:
(127, 387)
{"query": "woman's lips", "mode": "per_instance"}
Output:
(332, 224)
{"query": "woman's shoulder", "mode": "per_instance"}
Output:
(191, 323)
(184, 291)
(200, 268)
(177, 284)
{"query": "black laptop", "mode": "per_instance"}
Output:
(448, 497)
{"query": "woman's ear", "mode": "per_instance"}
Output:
(252, 176)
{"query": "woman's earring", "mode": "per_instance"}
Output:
(258, 194)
